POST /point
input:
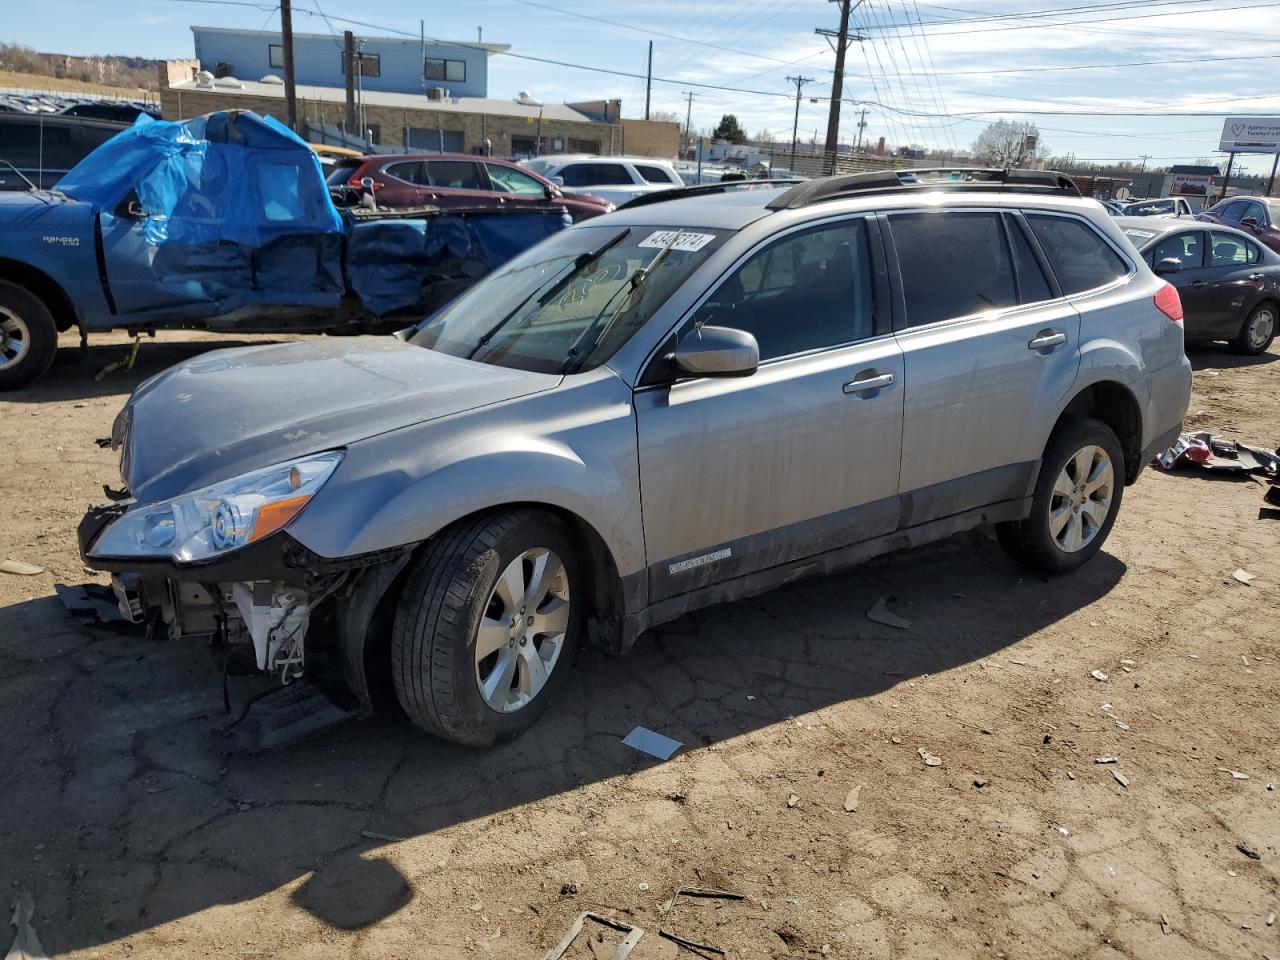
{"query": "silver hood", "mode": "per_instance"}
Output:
(231, 411)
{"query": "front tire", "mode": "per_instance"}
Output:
(28, 336)
(1075, 502)
(487, 626)
(1257, 332)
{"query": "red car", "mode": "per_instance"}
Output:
(1257, 215)
(457, 180)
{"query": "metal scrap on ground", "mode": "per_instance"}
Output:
(880, 613)
(19, 568)
(701, 894)
(654, 744)
(633, 935)
(26, 945)
(929, 759)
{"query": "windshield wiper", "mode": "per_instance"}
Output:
(635, 282)
(579, 262)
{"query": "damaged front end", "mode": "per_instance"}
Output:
(218, 564)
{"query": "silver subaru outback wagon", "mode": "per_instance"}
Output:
(682, 403)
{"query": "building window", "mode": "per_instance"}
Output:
(450, 71)
(275, 55)
(368, 64)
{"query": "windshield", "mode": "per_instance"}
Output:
(339, 173)
(570, 302)
(1149, 208)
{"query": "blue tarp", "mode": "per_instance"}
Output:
(399, 264)
(225, 177)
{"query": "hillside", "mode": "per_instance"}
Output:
(50, 71)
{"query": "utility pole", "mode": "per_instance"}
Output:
(422, 58)
(349, 69)
(688, 115)
(862, 125)
(841, 44)
(1144, 157)
(286, 41)
(795, 125)
(648, 81)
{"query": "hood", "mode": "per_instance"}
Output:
(232, 411)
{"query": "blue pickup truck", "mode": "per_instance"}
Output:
(224, 222)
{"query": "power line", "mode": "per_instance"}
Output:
(1102, 66)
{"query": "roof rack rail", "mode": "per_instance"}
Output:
(925, 179)
(701, 189)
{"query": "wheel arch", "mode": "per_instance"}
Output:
(1114, 404)
(363, 634)
(41, 285)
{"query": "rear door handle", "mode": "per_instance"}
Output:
(1257, 276)
(1201, 283)
(869, 383)
(1049, 338)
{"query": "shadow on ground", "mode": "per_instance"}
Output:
(123, 811)
(1219, 356)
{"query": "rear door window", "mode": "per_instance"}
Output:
(1187, 248)
(410, 171)
(455, 174)
(1227, 251)
(609, 174)
(654, 174)
(1080, 258)
(952, 264)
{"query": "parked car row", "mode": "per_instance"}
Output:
(39, 149)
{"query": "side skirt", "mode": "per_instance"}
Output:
(831, 561)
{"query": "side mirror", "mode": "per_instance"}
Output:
(1169, 265)
(716, 352)
(552, 192)
(1250, 223)
(558, 181)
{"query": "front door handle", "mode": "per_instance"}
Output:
(1046, 339)
(875, 382)
(1201, 283)
(1257, 276)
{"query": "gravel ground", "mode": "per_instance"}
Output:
(138, 835)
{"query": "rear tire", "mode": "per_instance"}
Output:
(1257, 332)
(1076, 498)
(28, 336)
(459, 594)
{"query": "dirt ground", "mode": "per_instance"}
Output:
(138, 835)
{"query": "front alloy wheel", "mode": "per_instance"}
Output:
(519, 639)
(1258, 331)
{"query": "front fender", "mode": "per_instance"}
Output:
(572, 448)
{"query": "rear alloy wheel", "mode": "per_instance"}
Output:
(487, 625)
(1257, 332)
(28, 336)
(1075, 501)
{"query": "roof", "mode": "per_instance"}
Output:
(1194, 168)
(555, 159)
(1162, 226)
(492, 48)
(379, 98)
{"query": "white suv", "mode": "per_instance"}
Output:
(617, 179)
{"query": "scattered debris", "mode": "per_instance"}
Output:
(92, 604)
(1244, 576)
(1070, 775)
(26, 945)
(979, 782)
(1128, 663)
(1271, 918)
(654, 744)
(851, 800)
(1063, 830)
(1248, 851)
(1018, 663)
(929, 759)
(792, 800)
(1165, 926)
(633, 935)
(895, 739)
(1106, 760)
(1120, 778)
(1235, 774)
(19, 568)
(371, 835)
(568, 889)
(880, 613)
(1122, 725)
(1216, 453)
(698, 893)
(1099, 676)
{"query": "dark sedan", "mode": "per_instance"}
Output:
(1229, 283)
(1257, 216)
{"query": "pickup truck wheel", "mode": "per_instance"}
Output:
(28, 336)
(487, 626)
(1257, 332)
(1075, 501)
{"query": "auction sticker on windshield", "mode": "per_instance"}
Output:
(688, 242)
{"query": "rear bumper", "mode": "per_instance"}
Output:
(1168, 396)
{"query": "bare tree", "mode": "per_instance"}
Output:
(666, 116)
(1008, 143)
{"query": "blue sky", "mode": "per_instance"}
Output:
(929, 73)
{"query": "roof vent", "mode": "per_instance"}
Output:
(272, 79)
(528, 99)
(436, 93)
(204, 79)
(228, 82)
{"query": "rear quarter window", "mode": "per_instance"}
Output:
(1078, 255)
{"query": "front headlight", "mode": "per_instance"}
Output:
(220, 518)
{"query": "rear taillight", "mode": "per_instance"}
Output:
(1169, 303)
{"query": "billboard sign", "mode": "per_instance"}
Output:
(1191, 185)
(1250, 135)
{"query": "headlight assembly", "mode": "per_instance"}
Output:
(220, 518)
